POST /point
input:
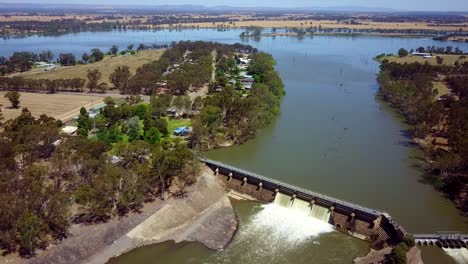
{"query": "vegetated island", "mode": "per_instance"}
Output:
(68, 192)
(429, 87)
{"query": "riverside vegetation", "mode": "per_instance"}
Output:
(440, 122)
(126, 155)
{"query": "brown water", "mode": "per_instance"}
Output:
(333, 137)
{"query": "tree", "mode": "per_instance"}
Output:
(46, 55)
(32, 232)
(85, 57)
(197, 103)
(94, 75)
(409, 240)
(67, 59)
(1, 116)
(398, 254)
(141, 47)
(178, 103)
(159, 104)
(109, 101)
(84, 122)
(187, 103)
(13, 97)
(447, 162)
(130, 47)
(440, 60)
(97, 55)
(133, 99)
(402, 52)
(114, 50)
(152, 135)
(103, 87)
(120, 77)
(135, 130)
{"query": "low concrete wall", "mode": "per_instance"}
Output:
(371, 225)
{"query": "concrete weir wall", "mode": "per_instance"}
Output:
(367, 224)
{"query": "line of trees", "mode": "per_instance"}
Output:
(42, 85)
(409, 88)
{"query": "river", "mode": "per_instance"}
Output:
(333, 136)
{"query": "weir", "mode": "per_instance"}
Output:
(378, 228)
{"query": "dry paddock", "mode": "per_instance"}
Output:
(59, 106)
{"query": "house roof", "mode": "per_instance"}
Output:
(180, 130)
(69, 129)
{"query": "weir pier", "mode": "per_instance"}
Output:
(378, 228)
(442, 239)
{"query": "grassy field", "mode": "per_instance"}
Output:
(278, 21)
(175, 123)
(332, 24)
(106, 66)
(448, 59)
(59, 106)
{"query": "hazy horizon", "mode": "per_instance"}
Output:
(397, 5)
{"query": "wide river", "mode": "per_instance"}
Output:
(333, 136)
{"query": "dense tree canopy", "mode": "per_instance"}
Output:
(409, 88)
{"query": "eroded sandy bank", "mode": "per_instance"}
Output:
(205, 215)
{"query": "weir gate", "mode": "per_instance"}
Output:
(378, 228)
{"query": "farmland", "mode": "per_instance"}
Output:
(106, 67)
(59, 106)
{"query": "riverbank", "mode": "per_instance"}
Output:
(413, 256)
(437, 124)
(344, 34)
(205, 215)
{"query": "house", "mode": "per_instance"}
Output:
(172, 112)
(182, 131)
(97, 108)
(244, 61)
(422, 54)
(247, 85)
(244, 74)
(248, 79)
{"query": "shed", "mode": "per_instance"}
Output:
(182, 131)
(69, 130)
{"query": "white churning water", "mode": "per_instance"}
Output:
(287, 224)
(291, 219)
(460, 255)
(316, 211)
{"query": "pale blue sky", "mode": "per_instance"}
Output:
(421, 5)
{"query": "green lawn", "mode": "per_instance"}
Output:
(174, 123)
